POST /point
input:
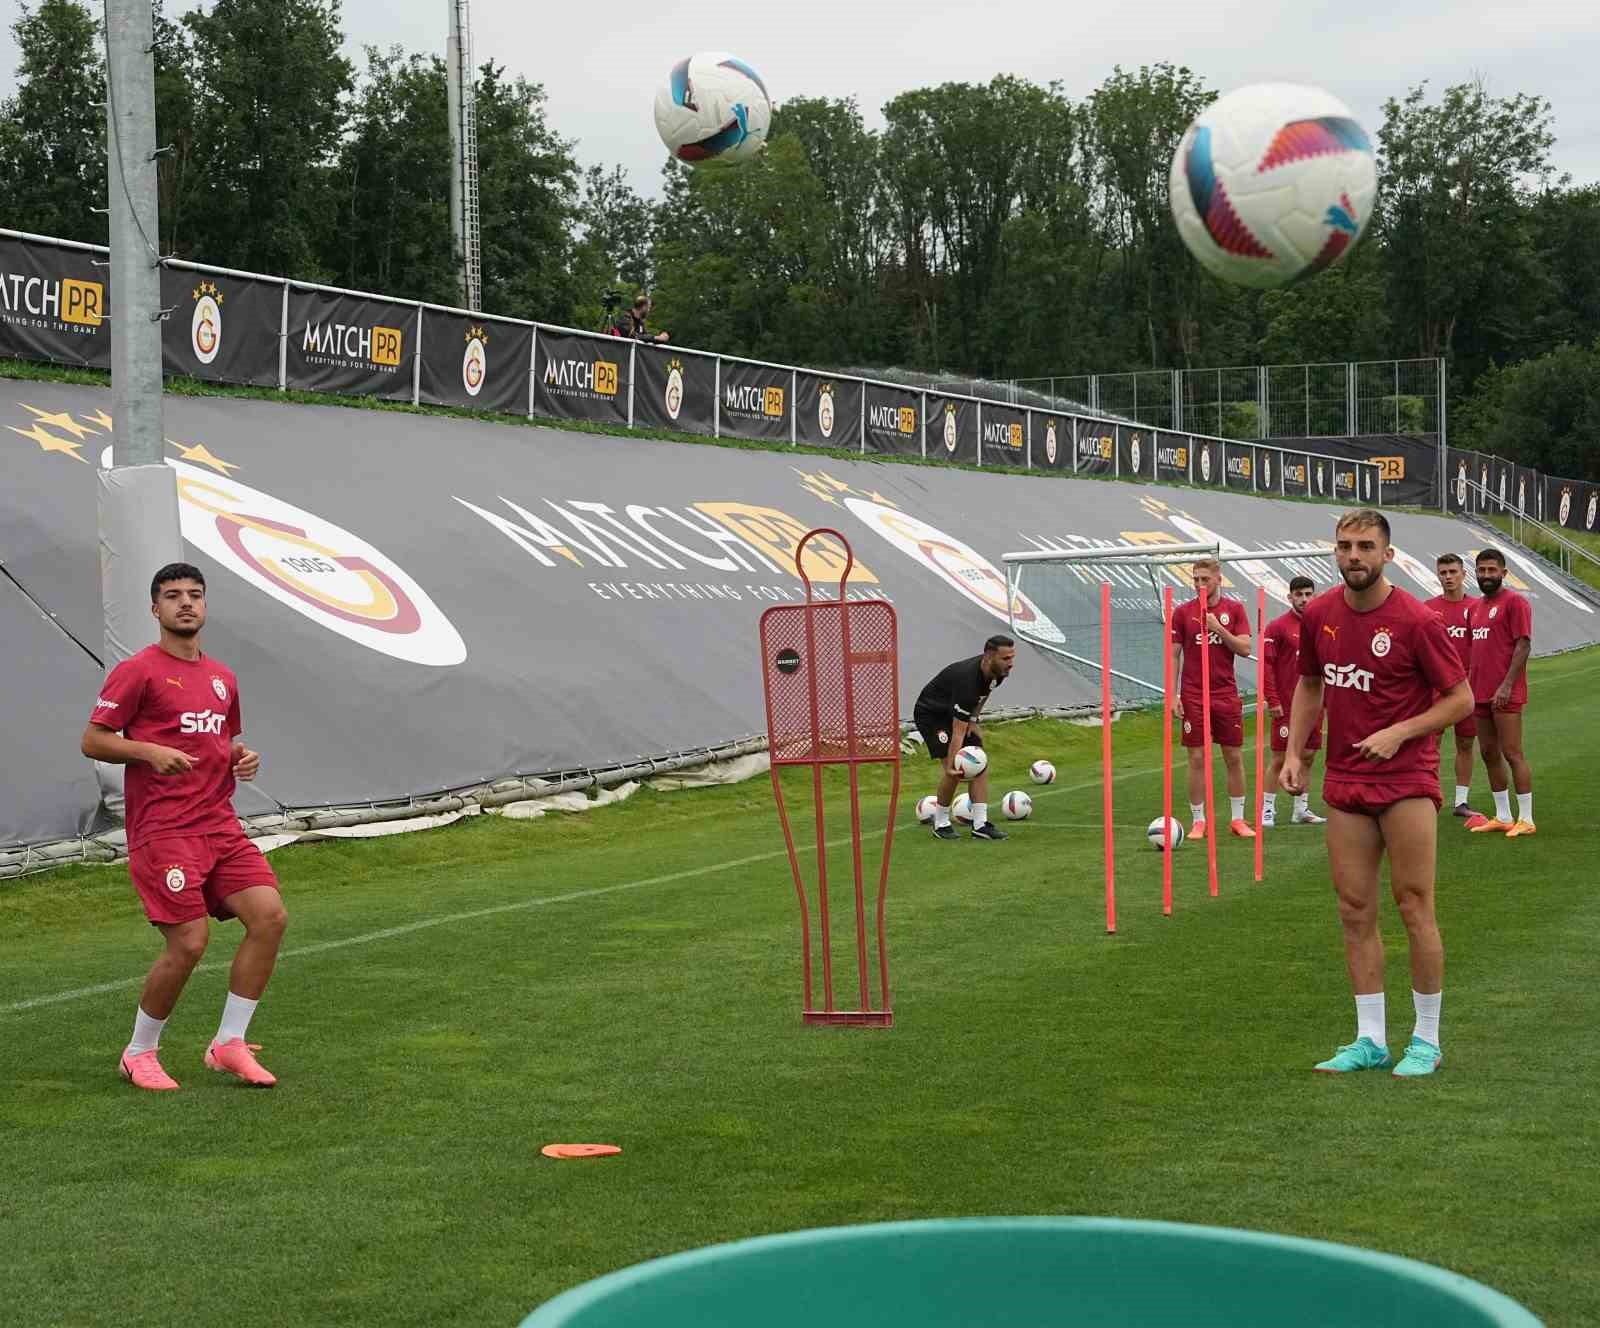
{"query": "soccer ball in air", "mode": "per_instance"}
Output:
(714, 105)
(1016, 805)
(1042, 772)
(1158, 831)
(971, 762)
(925, 808)
(1272, 183)
(961, 809)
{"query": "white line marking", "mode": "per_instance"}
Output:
(422, 924)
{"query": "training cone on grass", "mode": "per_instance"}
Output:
(580, 1150)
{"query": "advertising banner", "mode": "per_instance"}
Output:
(54, 304)
(894, 420)
(1050, 440)
(754, 401)
(952, 429)
(1096, 450)
(828, 411)
(581, 377)
(1296, 474)
(349, 343)
(1207, 470)
(1239, 466)
(672, 390)
(1172, 456)
(482, 363)
(1003, 435)
(223, 329)
(1136, 454)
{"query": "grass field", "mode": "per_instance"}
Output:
(449, 1002)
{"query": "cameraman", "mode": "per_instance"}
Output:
(632, 322)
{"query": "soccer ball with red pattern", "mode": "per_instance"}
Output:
(1273, 183)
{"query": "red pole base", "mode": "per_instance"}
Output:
(854, 1018)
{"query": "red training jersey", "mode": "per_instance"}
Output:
(1378, 667)
(1187, 626)
(191, 706)
(1498, 622)
(1454, 615)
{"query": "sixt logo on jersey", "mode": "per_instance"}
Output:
(1347, 675)
(201, 721)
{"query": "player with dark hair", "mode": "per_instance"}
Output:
(947, 715)
(1502, 636)
(170, 714)
(1213, 644)
(1381, 664)
(1454, 607)
(1280, 671)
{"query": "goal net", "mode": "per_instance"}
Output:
(1064, 586)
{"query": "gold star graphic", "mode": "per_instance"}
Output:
(839, 485)
(49, 442)
(200, 455)
(100, 418)
(61, 421)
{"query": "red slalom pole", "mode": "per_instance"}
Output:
(1261, 718)
(1166, 755)
(1205, 737)
(1105, 752)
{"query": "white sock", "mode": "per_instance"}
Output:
(1502, 804)
(1197, 810)
(941, 814)
(1370, 1020)
(1238, 808)
(1462, 791)
(1427, 1016)
(1302, 803)
(146, 1033)
(1269, 804)
(1524, 812)
(235, 1018)
(980, 814)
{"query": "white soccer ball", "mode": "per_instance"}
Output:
(961, 809)
(971, 762)
(1272, 183)
(925, 808)
(1042, 772)
(714, 105)
(1158, 839)
(1016, 805)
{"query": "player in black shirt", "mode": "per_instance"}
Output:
(946, 715)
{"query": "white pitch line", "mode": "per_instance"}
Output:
(445, 919)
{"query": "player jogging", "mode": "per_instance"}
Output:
(1502, 636)
(1454, 607)
(946, 714)
(170, 714)
(1224, 635)
(1280, 671)
(1380, 663)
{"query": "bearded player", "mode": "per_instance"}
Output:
(170, 714)
(1454, 607)
(1280, 672)
(1502, 636)
(1380, 663)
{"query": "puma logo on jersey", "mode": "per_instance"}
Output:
(1347, 675)
(1331, 631)
(201, 721)
(176, 682)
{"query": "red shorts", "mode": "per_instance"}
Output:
(1371, 797)
(1278, 735)
(181, 878)
(1468, 727)
(1486, 710)
(1227, 722)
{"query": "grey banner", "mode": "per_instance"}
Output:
(952, 429)
(673, 390)
(480, 363)
(894, 420)
(402, 594)
(827, 411)
(1051, 440)
(1172, 456)
(755, 401)
(1095, 449)
(54, 304)
(345, 343)
(1003, 435)
(221, 328)
(578, 377)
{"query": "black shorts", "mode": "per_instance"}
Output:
(935, 731)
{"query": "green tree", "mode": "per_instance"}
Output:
(177, 171)
(615, 250)
(1543, 412)
(269, 113)
(1566, 238)
(1340, 314)
(53, 129)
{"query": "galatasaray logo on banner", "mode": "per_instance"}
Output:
(956, 563)
(672, 395)
(205, 327)
(950, 435)
(825, 409)
(1565, 510)
(327, 574)
(1594, 503)
(1050, 441)
(1461, 485)
(475, 361)
(1133, 452)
